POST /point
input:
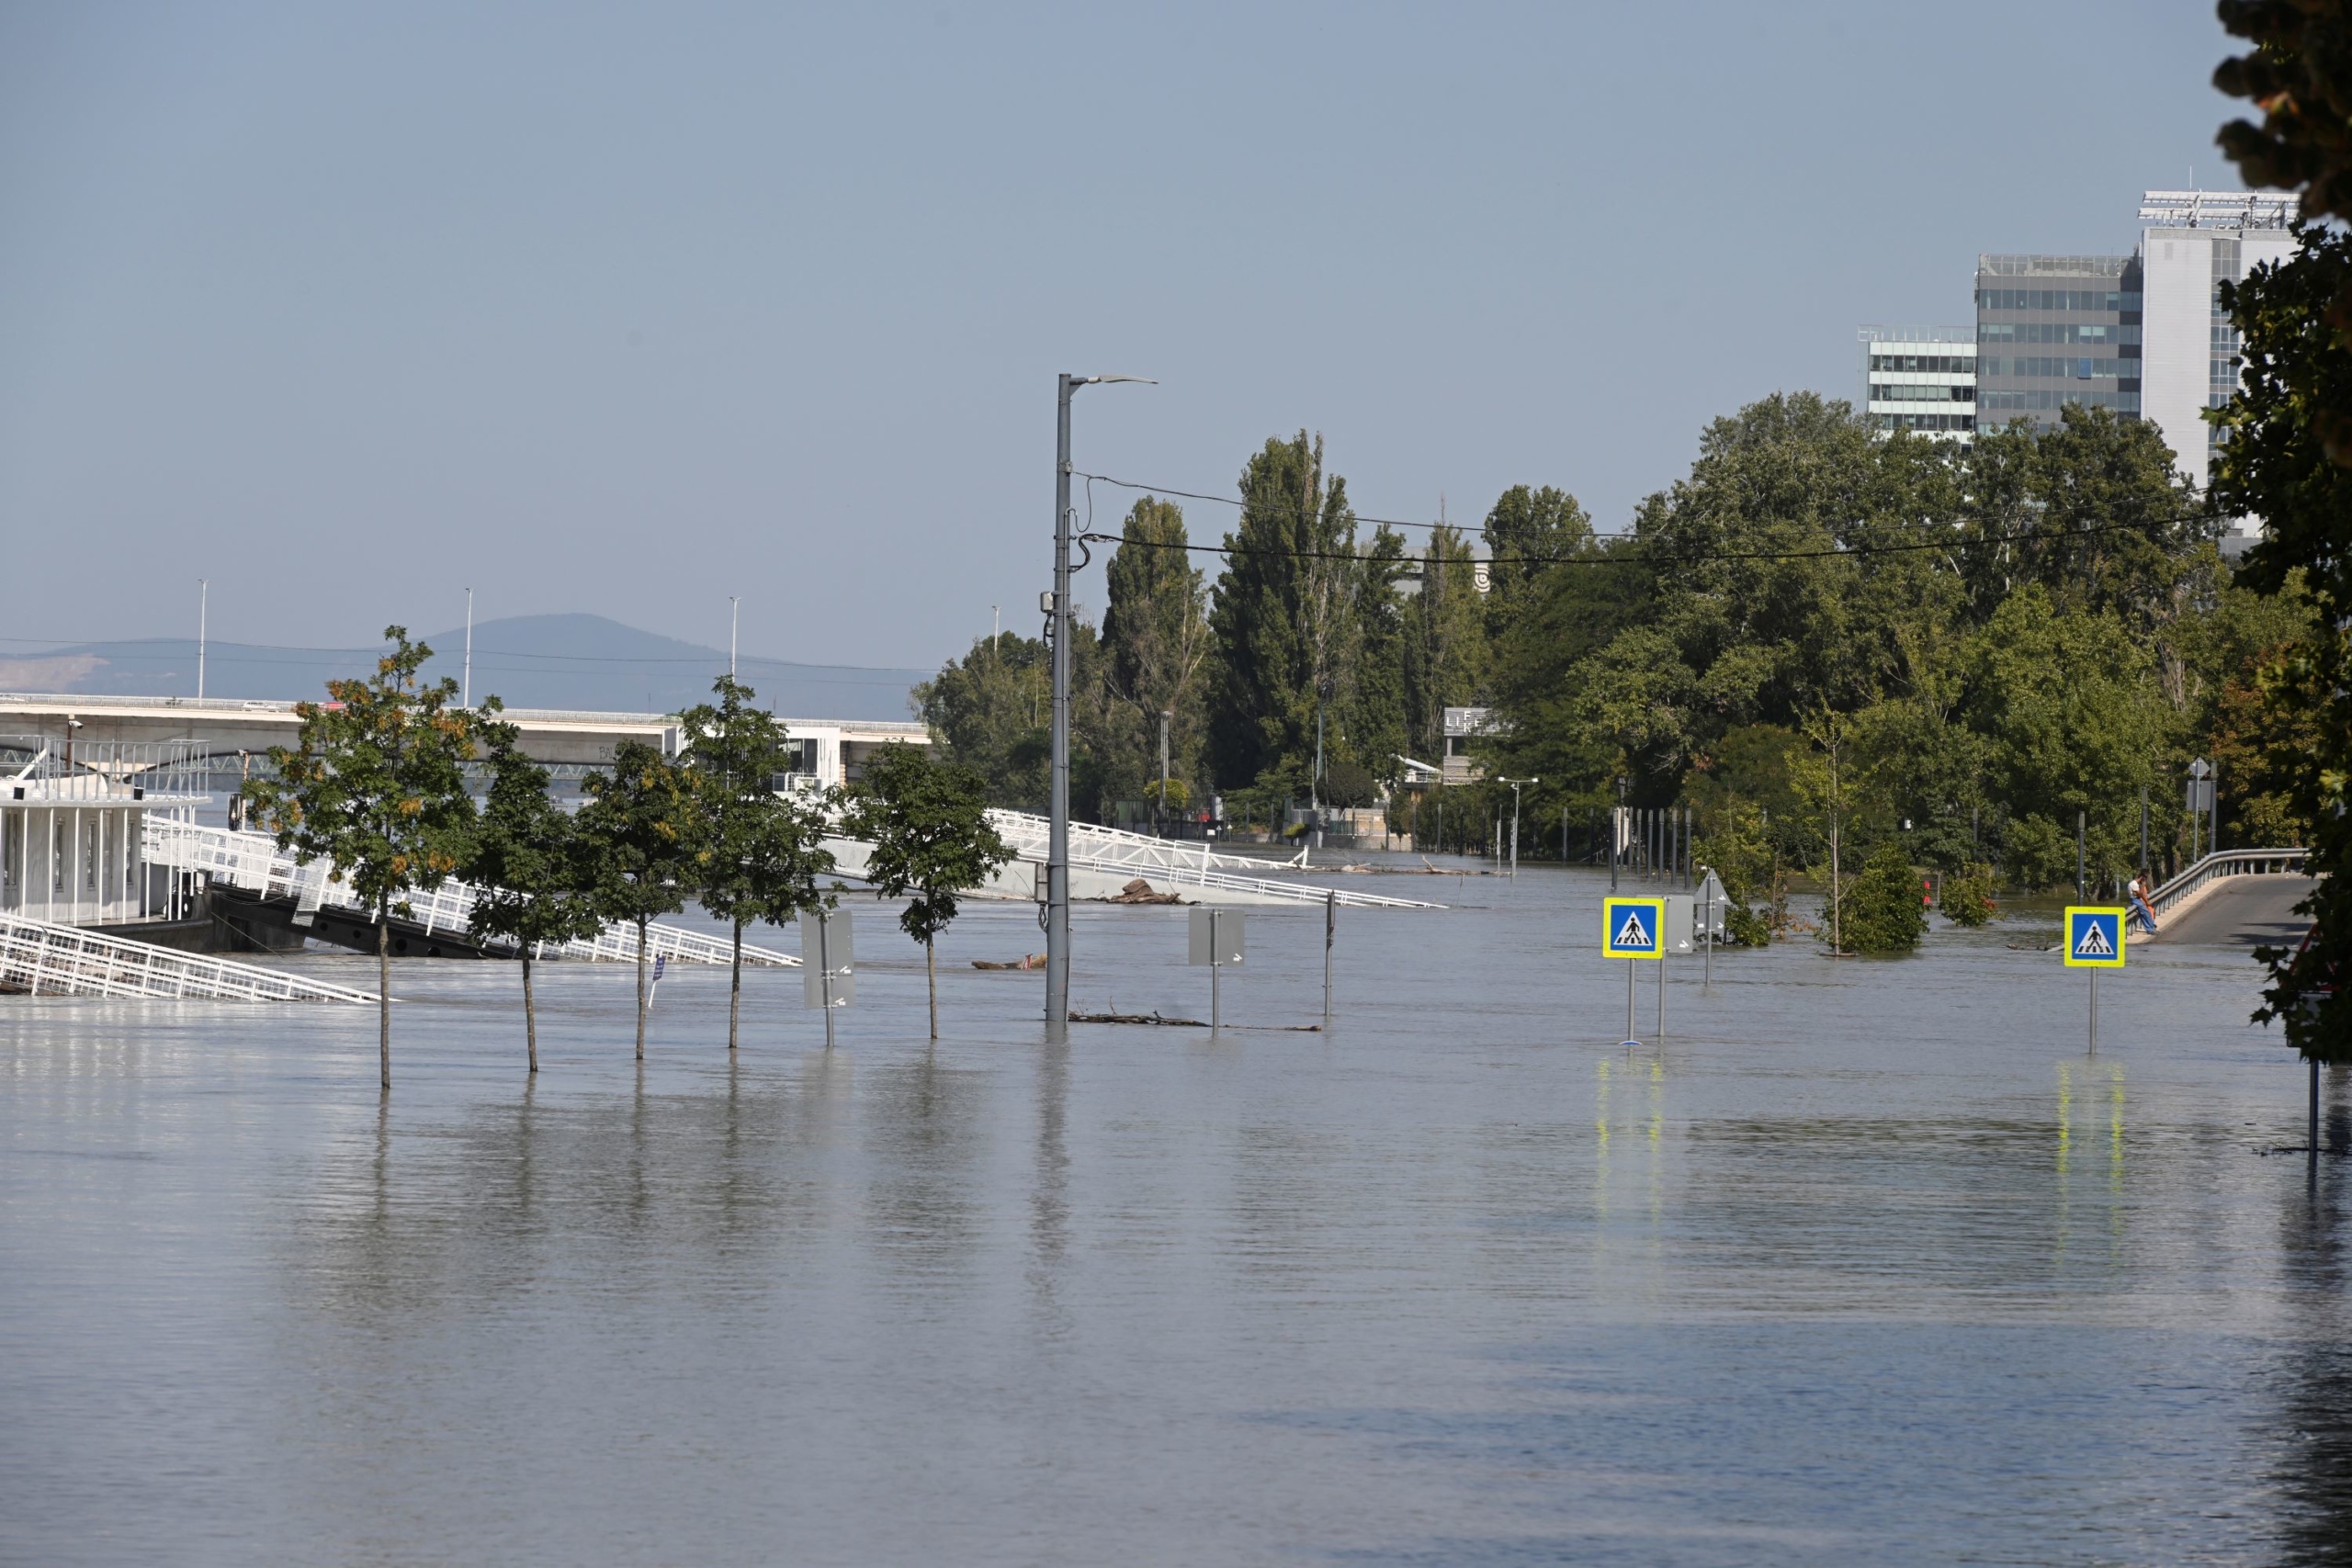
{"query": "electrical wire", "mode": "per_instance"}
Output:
(1666, 557)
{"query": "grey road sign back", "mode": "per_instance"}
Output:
(1713, 903)
(827, 953)
(1216, 937)
(1678, 924)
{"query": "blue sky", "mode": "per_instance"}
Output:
(627, 308)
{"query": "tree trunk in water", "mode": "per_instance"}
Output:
(384, 989)
(530, 1018)
(931, 978)
(640, 990)
(1836, 925)
(735, 985)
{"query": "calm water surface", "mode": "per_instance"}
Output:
(1869, 1262)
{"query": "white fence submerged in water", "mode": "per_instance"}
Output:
(52, 960)
(1175, 863)
(254, 862)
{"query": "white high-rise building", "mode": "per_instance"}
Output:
(2190, 243)
(1921, 378)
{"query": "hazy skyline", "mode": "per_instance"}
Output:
(624, 311)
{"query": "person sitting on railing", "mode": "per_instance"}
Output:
(2136, 895)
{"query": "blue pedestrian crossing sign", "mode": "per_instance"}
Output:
(2094, 938)
(1630, 927)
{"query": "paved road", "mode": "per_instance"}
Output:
(2244, 911)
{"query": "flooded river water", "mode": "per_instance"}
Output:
(1868, 1261)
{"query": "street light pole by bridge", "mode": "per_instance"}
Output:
(1057, 615)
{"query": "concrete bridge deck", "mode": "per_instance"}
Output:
(2244, 911)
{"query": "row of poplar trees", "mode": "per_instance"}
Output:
(377, 786)
(1323, 654)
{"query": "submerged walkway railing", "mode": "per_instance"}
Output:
(254, 862)
(52, 960)
(1177, 862)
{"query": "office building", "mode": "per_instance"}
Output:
(2192, 241)
(1920, 379)
(2053, 331)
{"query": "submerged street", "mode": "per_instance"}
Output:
(1868, 1261)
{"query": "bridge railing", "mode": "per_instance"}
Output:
(2199, 879)
(44, 959)
(254, 862)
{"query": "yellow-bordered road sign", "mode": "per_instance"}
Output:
(2095, 937)
(1629, 927)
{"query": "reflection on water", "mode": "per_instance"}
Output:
(1869, 1263)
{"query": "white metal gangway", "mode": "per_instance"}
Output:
(1176, 862)
(254, 861)
(52, 960)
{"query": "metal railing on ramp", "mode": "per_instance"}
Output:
(2199, 879)
(52, 960)
(1173, 862)
(254, 861)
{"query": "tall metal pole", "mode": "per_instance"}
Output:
(2082, 888)
(1162, 813)
(1057, 838)
(734, 616)
(1330, 930)
(466, 684)
(2143, 830)
(203, 604)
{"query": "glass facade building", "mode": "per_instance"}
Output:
(1920, 379)
(2056, 330)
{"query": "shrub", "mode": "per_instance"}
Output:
(1968, 895)
(1882, 910)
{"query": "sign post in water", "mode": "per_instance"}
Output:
(2095, 939)
(1632, 928)
(828, 964)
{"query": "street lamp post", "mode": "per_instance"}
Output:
(1057, 838)
(1515, 787)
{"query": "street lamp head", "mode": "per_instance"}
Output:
(1106, 381)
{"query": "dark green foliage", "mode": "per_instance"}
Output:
(1349, 785)
(377, 788)
(1285, 617)
(640, 836)
(530, 885)
(1444, 643)
(2299, 72)
(1527, 528)
(931, 839)
(1884, 911)
(760, 852)
(1968, 898)
(2275, 464)
(1155, 653)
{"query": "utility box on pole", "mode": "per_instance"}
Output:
(828, 964)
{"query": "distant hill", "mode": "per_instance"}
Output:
(531, 661)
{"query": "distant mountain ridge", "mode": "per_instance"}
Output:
(529, 661)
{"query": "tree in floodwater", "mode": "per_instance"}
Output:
(530, 887)
(376, 786)
(929, 825)
(640, 835)
(760, 852)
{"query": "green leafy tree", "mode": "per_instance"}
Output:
(2298, 74)
(1154, 646)
(1527, 529)
(1444, 653)
(376, 786)
(931, 839)
(1883, 911)
(760, 852)
(2281, 461)
(524, 864)
(1284, 616)
(992, 711)
(641, 837)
